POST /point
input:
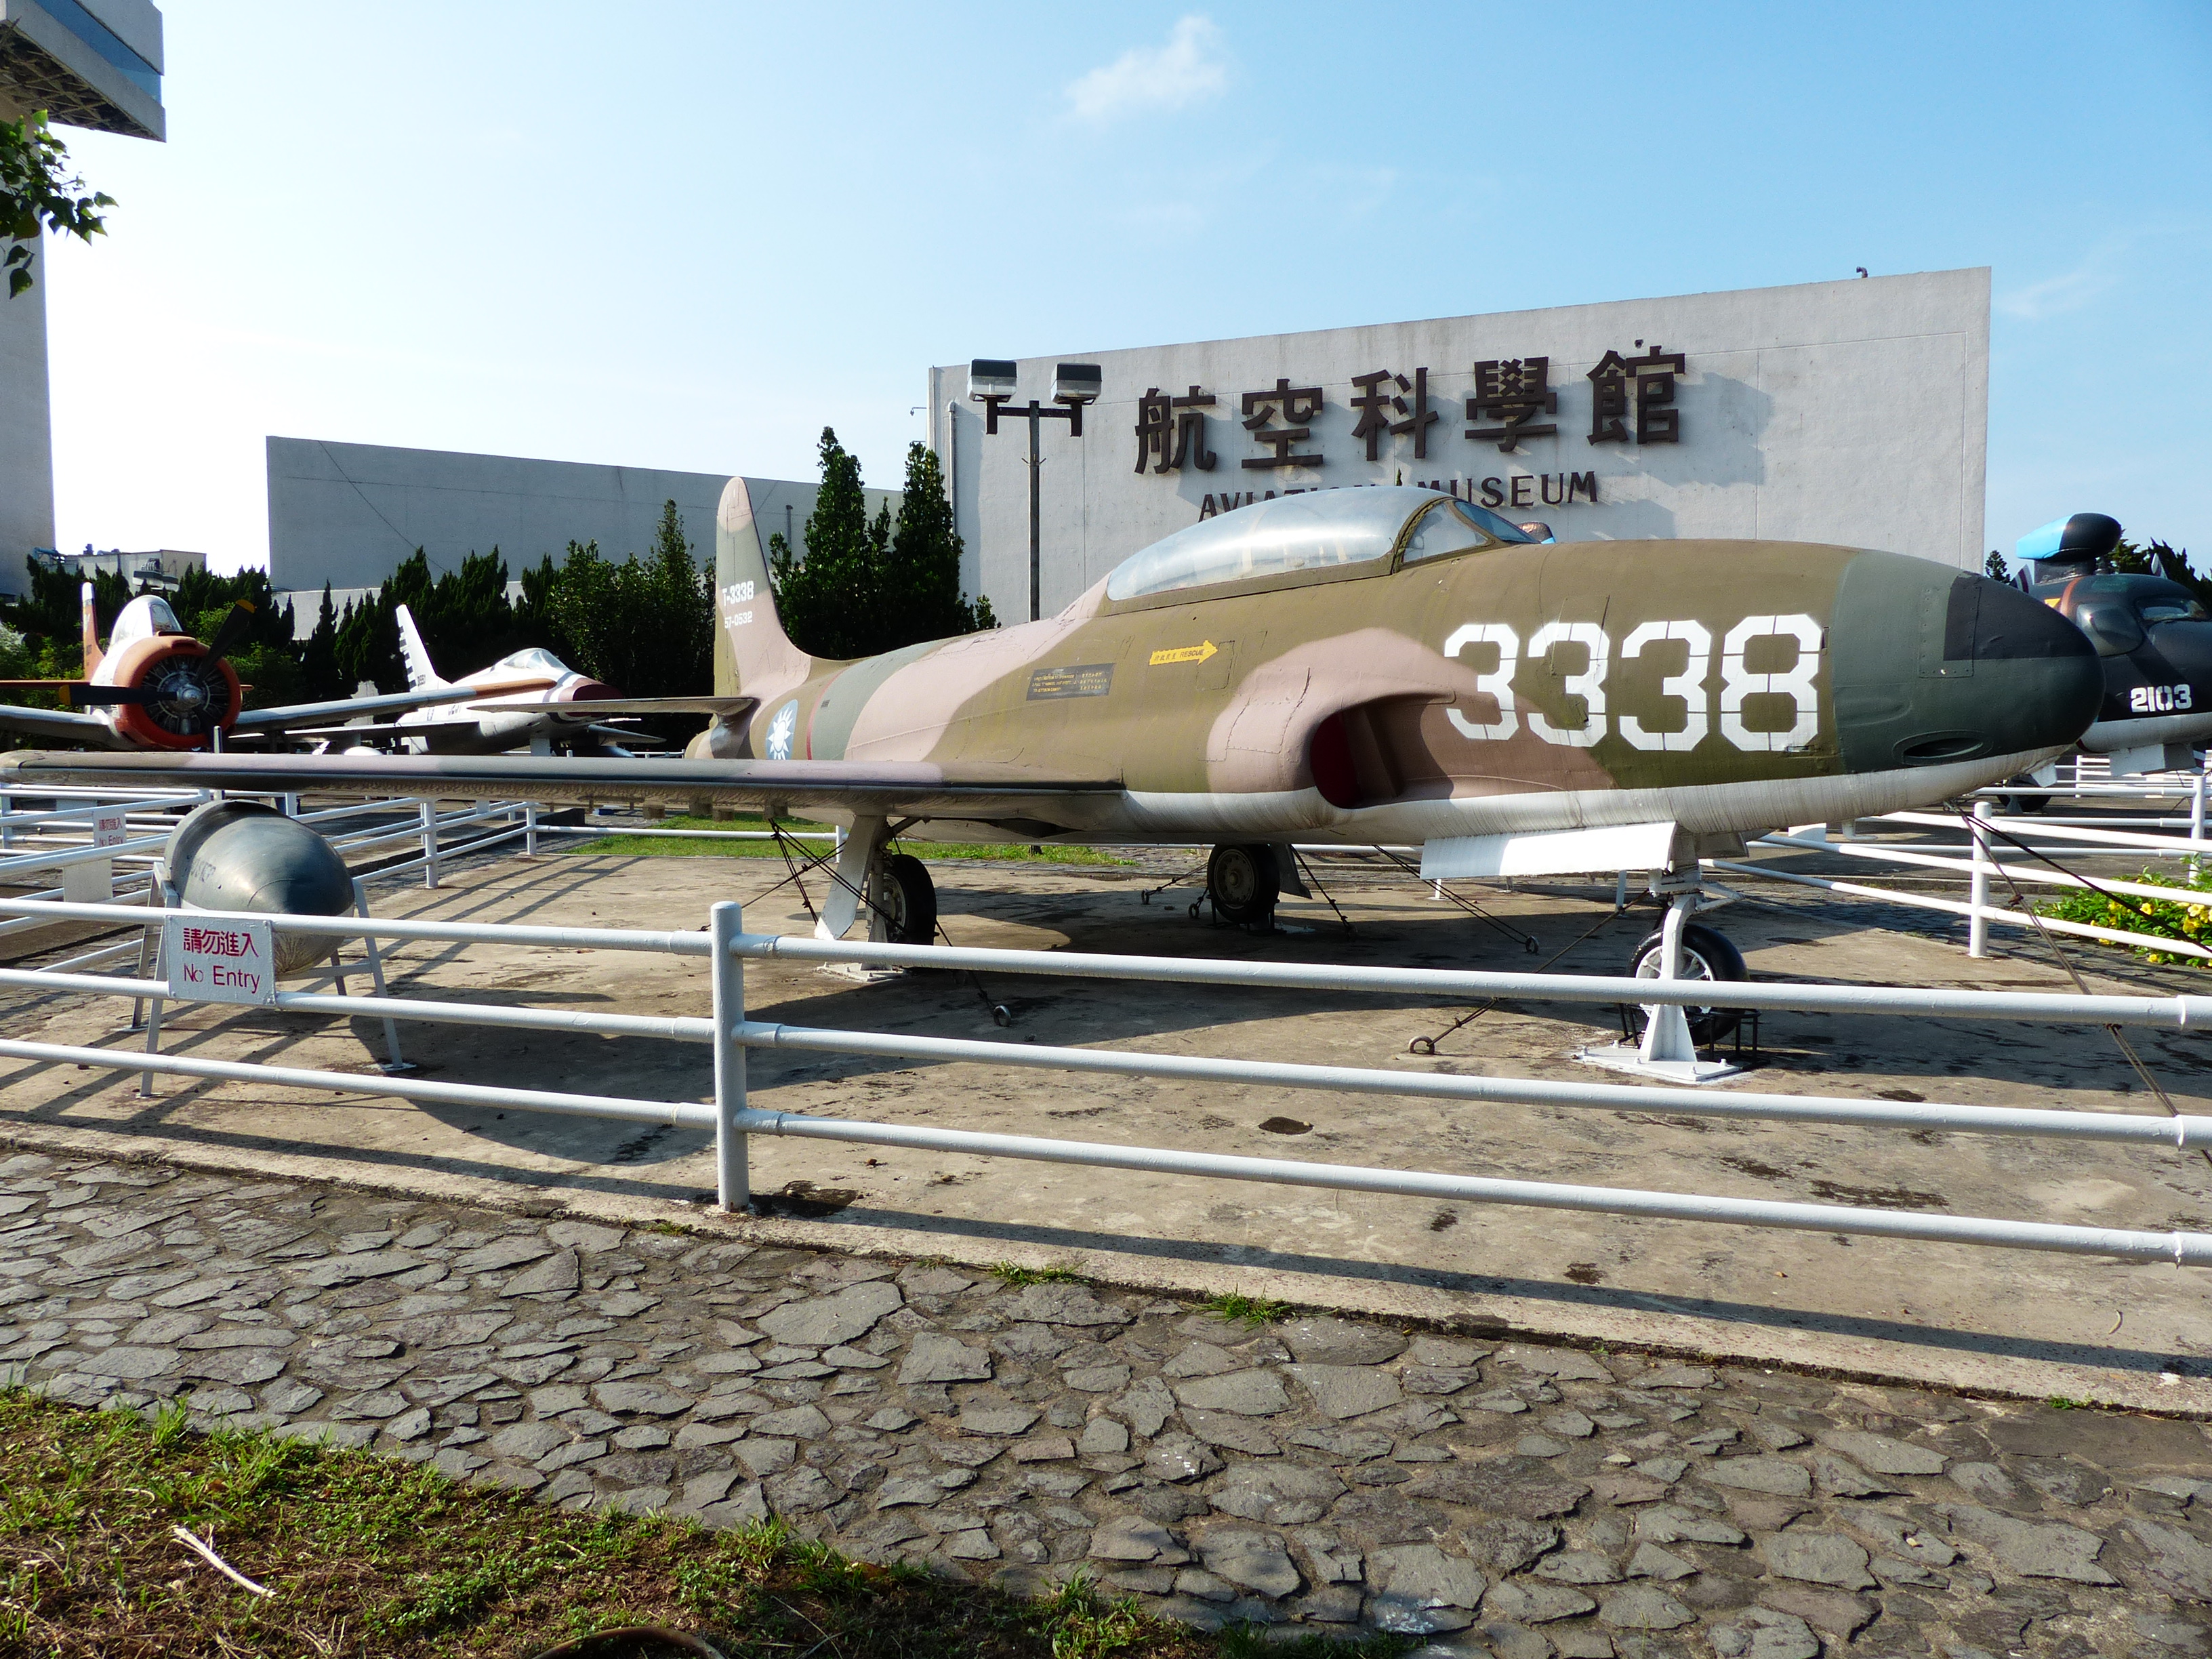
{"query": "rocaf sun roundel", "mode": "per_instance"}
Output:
(1357, 666)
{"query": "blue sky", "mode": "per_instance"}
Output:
(690, 236)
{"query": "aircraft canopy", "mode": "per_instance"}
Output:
(146, 615)
(535, 659)
(1314, 530)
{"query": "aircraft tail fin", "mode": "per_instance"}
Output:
(753, 655)
(421, 675)
(92, 651)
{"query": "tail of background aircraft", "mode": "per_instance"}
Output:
(766, 660)
(421, 675)
(92, 651)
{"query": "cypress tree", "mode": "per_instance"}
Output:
(865, 586)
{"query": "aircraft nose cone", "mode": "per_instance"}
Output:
(2185, 648)
(1932, 666)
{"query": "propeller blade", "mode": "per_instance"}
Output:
(82, 695)
(232, 632)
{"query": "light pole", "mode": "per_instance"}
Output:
(991, 383)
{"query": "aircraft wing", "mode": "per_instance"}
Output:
(345, 708)
(58, 725)
(1032, 802)
(727, 708)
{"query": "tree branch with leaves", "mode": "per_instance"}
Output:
(38, 192)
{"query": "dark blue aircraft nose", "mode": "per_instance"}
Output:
(2178, 656)
(1932, 666)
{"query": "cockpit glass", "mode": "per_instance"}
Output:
(144, 617)
(1503, 530)
(1315, 529)
(1444, 530)
(535, 660)
(2165, 611)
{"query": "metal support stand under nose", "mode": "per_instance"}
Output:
(1667, 1053)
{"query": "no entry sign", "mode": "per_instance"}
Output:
(226, 960)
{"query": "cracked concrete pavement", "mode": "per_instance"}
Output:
(1324, 1472)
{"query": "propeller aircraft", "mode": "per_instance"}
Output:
(155, 687)
(1363, 665)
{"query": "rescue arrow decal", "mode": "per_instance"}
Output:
(1198, 652)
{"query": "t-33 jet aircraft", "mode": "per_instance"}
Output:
(1365, 666)
(156, 687)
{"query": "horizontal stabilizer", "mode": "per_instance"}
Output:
(1552, 853)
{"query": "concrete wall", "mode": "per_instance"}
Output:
(1852, 412)
(27, 447)
(347, 513)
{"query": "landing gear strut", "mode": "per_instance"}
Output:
(894, 888)
(902, 900)
(1244, 881)
(1670, 1033)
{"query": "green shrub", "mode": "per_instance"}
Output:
(2183, 917)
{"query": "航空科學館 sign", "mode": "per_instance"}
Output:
(229, 960)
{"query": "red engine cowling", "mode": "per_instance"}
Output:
(183, 693)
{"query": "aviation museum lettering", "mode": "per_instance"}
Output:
(1509, 395)
(1849, 413)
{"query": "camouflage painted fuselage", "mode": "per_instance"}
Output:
(1726, 686)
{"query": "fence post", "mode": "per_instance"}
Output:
(530, 827)
(732, 1179)
(1977, 927)
(2197, 820)
(430, 843)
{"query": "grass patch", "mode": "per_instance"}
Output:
(1250, 1312)
(671, 847)
(366, 1556)
(2187, 915)
(1013, 1273)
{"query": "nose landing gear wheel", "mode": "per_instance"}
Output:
(1243, 882)
(903, 901)
(1705, 955)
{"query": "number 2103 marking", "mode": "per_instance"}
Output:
(1691, 687)
(2159, 699)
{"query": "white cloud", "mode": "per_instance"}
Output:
(1188, 69)
(2070, 290)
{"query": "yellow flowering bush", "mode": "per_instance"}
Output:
(2186, 916)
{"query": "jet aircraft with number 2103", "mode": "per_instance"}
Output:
(1365, 666)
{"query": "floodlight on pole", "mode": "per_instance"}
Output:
(991, 382)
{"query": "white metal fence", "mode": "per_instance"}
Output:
(2021, 852)
(734, 1121)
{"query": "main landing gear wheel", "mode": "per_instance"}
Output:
(2014, 805)
(903, 901)
(1243, 882)
(1705, 955)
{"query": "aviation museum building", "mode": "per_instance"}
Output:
(1852, 412)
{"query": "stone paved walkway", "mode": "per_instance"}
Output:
(1516, 1500)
